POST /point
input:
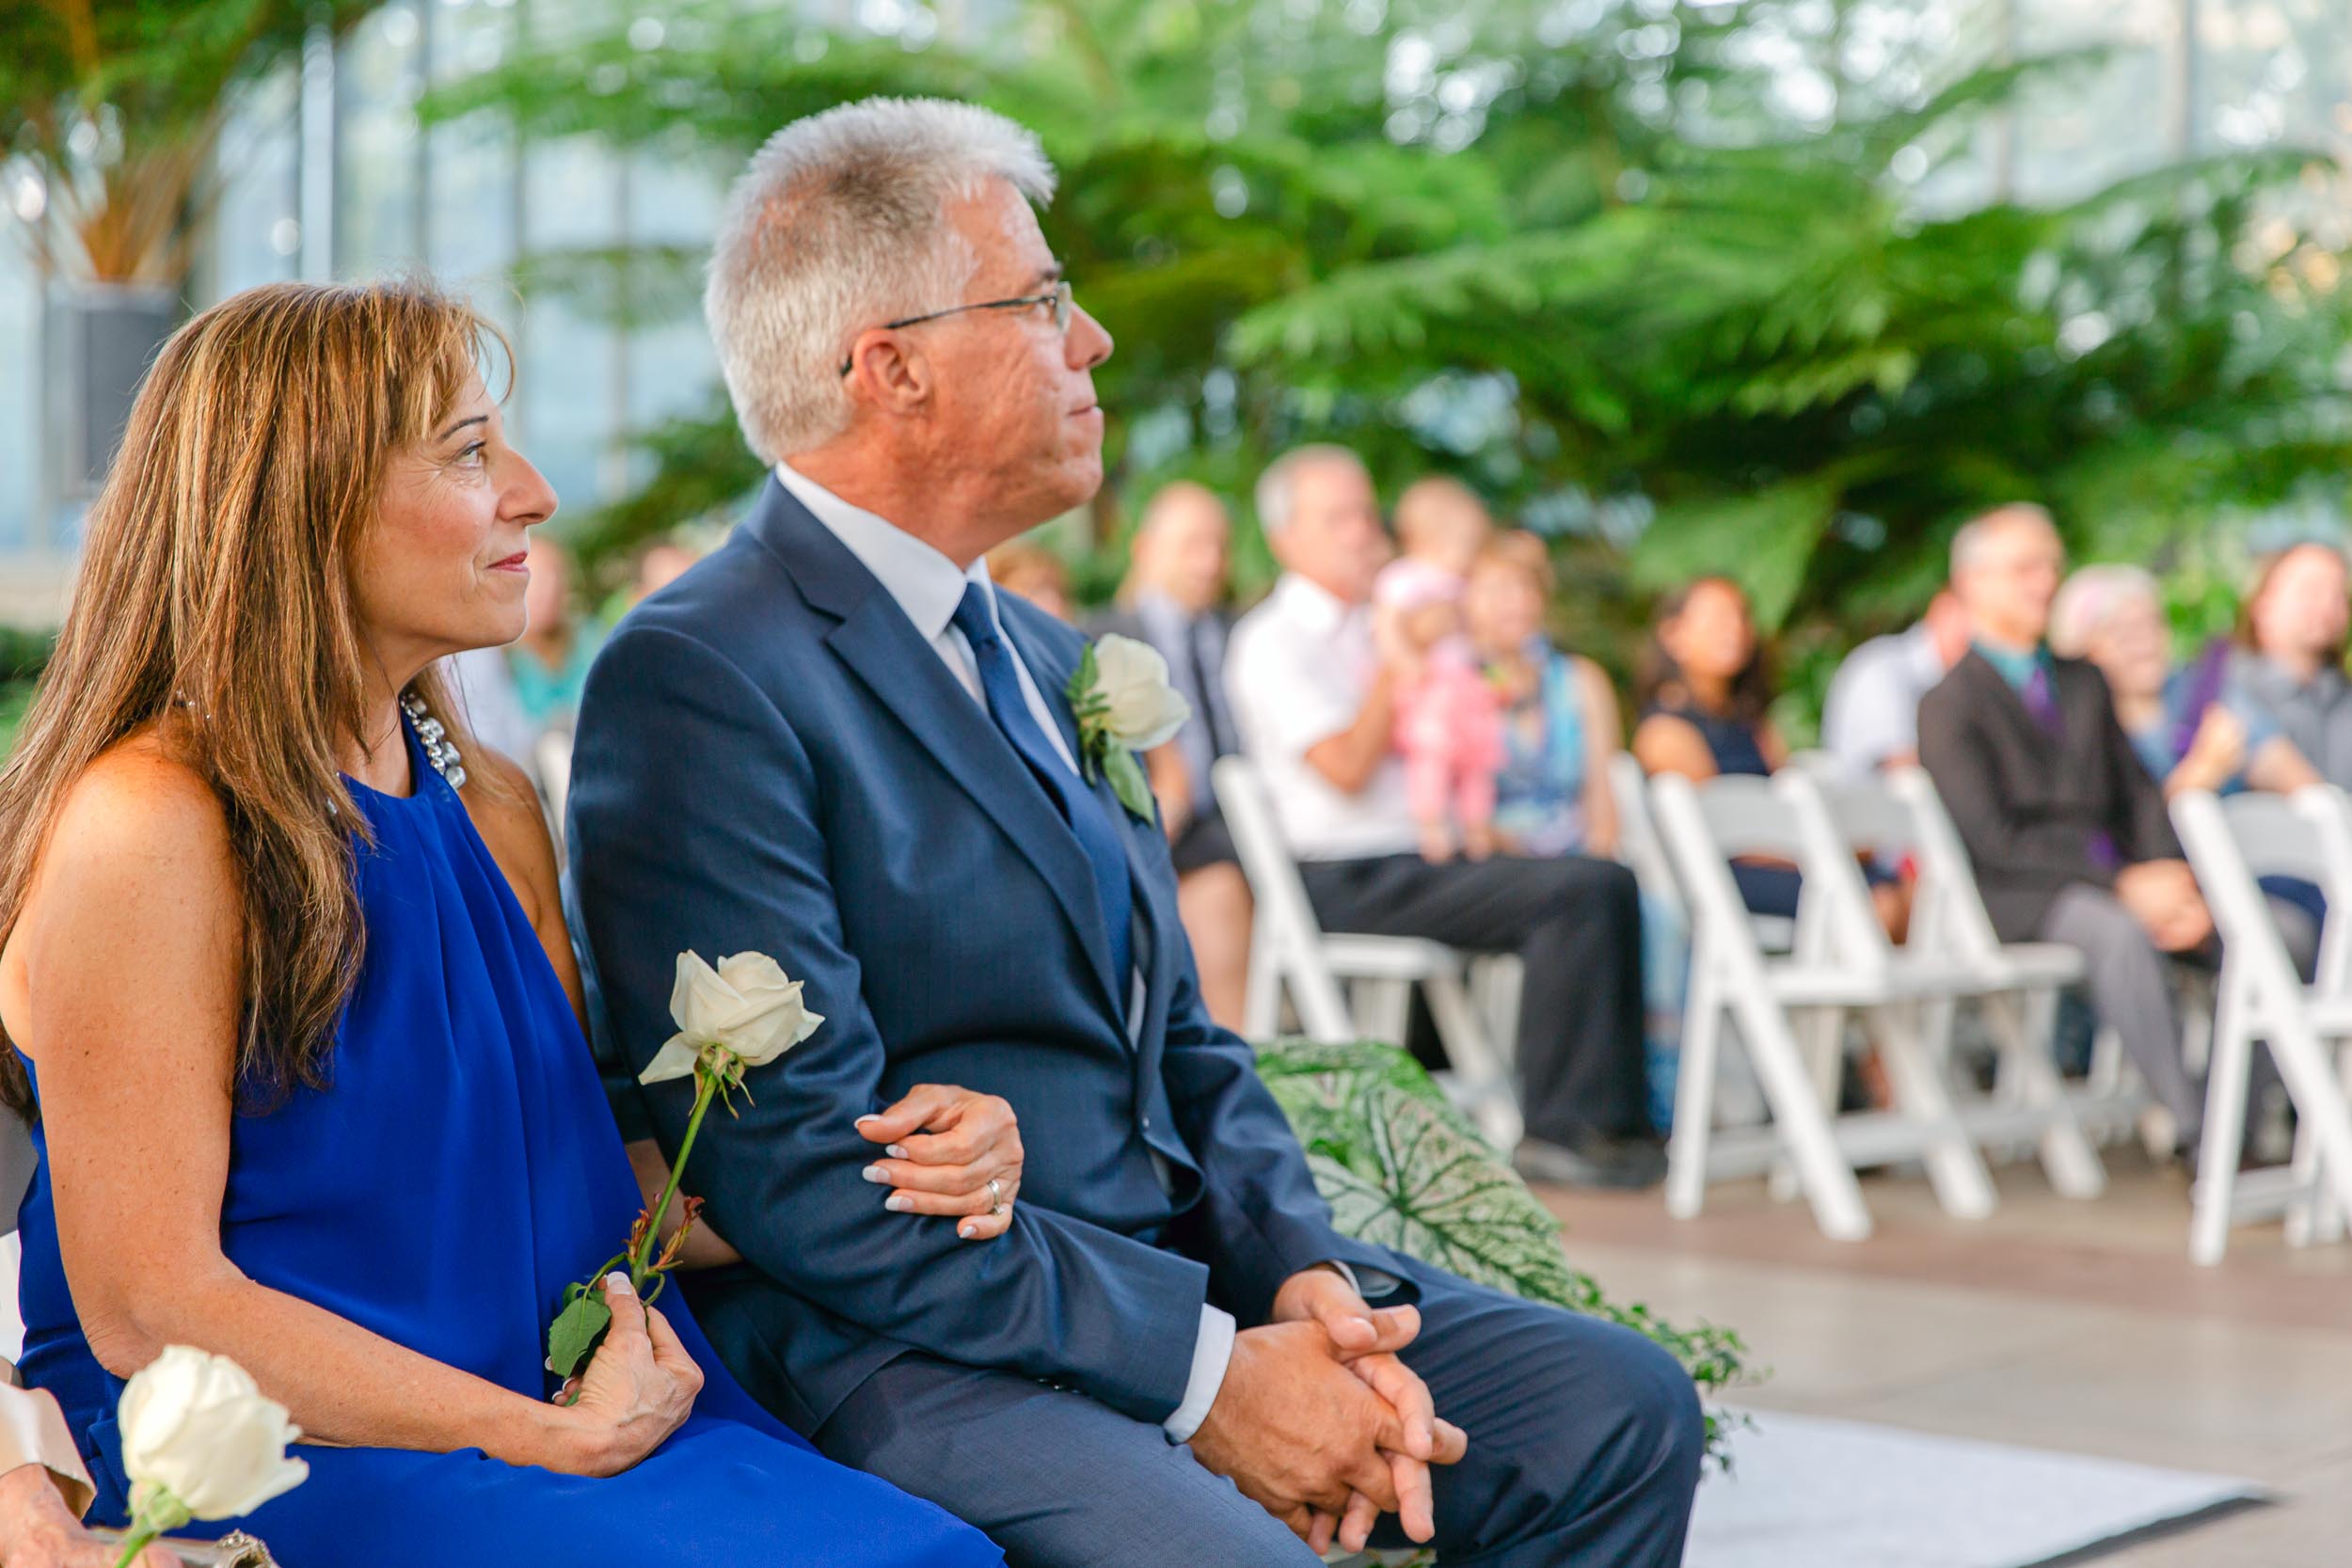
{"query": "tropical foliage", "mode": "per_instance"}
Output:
(1403, 1168)
(116, 111)
(1578, 255)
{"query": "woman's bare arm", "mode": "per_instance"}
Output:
(1665, 744)
(1601, 746)
(131, 943)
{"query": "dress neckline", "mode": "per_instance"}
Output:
(423, 778)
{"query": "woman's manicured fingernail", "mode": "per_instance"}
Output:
(617, 1280)
(876, 1174)
(967, 1230)
(897, 1152)
(897, 1203)
(870, 1115)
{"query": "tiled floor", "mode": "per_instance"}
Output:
(2054, 1324)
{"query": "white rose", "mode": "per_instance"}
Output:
(746, 1006)
(1131, 677)
(195, 1427)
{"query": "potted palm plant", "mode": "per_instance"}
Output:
(110, 118)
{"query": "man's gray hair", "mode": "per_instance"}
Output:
(841, 223)
(1978, 531)
(1277, 488)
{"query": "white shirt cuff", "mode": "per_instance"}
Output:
(1371, 1284)
(1211, 1352)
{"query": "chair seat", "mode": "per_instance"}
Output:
(1351, 956)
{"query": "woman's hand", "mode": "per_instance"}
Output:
(943, 1148)
(37, 1531)
(639, 1387)
(2214, 755)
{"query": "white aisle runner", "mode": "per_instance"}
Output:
(1809, 1493)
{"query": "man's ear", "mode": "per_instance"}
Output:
(889, 375)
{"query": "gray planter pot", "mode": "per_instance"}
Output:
(102, 338)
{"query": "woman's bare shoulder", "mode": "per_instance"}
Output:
(142, 806)
(510, 821)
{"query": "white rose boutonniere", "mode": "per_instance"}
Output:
(1124, 705)
(199, 1442)
(744, 1014)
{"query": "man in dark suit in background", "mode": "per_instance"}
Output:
(1174, 598)
(2067, 833)
(835, 743)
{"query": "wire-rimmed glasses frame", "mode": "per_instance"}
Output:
(1058, 300)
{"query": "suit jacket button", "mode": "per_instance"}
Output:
(1147, 1124)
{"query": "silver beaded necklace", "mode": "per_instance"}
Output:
(435, 738)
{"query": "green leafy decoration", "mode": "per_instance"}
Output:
(1401, 1168)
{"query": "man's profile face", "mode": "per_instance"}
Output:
(1015, 394)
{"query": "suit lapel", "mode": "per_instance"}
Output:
(889, 657)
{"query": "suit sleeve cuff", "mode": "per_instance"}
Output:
(1211, 1352)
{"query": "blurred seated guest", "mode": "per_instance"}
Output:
(1703, 687)
(2290, 662)
(549, 662)
(1440, 527)
(1560, 724)
(1560, 730)
(2113, 615)
(2067, 832)
(1316, 706)
(1870, 719)
(45, 1489)
(1174, 598)
(1035, 573)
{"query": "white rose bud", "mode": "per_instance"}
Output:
(746, 1006)
(1144, 710)
(195, 1427)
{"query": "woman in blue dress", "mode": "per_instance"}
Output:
(291, 995)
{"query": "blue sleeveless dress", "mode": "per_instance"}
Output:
(460, 1171)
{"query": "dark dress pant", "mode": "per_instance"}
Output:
(1576, 924)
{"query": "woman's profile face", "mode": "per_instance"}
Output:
(445, 566)
(1712, 637)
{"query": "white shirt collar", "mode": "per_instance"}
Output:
(925, 583)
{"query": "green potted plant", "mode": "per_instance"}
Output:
(110, 118)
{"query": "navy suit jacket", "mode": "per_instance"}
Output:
(771, 757)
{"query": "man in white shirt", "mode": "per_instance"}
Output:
(1870, 719)
(1314, 702)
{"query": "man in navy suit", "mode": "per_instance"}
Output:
(834, 742)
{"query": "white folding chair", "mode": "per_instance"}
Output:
(1776, 1002)
(1641, 852)
(1290, 954)
(2229, 843)
(2012, 985)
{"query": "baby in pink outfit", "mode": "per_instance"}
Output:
(1449, 719)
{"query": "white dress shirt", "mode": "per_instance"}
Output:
(929, 587)
(1871, 713)
(1296, 672)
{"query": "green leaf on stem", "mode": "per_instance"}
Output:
(1127, 781)
(572, 1337)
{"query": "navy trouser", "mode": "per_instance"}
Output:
(1584, 1445)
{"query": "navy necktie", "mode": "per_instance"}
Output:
(1096, 834)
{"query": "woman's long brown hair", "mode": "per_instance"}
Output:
(215, 580)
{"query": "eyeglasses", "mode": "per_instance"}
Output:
(1058, 300)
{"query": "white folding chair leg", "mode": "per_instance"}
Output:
(2312, 1077)
(1823, 1172)
(1961, 1183)
(1821, 1034)
(2317, 1218)
(1478, 1067)
(2021, 1026)
(1262, 996)
(2230, 1065)
(1383, 1009)
(1694, 1094)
